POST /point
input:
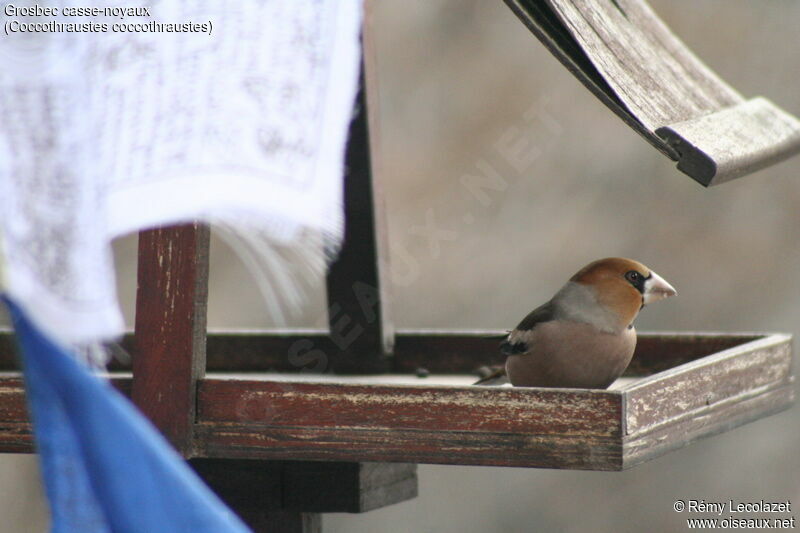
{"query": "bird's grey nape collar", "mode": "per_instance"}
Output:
(578, 303)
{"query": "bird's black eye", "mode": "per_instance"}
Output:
(636, 279)
(633, 276)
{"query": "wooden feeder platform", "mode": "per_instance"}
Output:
(679, 388)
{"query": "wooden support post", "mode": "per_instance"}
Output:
(255, 490)
(357, 289)
(171, 304)
(334, 487)
(282, 521)
(287, 496)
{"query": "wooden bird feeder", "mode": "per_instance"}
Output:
(281, 445)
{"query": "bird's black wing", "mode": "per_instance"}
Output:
(543, 313)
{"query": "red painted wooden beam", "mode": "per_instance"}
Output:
(171, 305)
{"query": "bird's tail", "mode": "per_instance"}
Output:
(493, 376)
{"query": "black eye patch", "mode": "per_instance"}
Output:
(636, 279)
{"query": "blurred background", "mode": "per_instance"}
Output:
(459, 79)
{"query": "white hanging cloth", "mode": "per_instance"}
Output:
(239, 118)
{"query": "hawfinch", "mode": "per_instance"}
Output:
(584, 336)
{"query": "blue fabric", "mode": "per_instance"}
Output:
(105, 467)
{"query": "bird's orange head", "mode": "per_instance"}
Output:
(623, 286)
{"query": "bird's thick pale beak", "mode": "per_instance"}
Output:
(656, 288)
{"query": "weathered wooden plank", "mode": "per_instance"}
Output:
(705, 422)
(539, 18)
(283, 351)
(631, 60)
(657, 77)
(733, 142)
(171, 303)
(450, 425)
(417, 446)
(443, 352)
(476, 409)
(657, 352)
(13, 407)
(727, 374)
(16, 437)
(547, 428)
(16, 431)
(439, 351)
